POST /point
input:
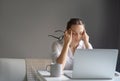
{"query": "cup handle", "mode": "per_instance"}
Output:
(47, 68)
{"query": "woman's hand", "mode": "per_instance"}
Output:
(68, 37)
(67, 41)
(85, 38)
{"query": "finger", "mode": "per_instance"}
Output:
(65, 32)
(70, 32)
(85, 32)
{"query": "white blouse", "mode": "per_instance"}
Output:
(56, 51)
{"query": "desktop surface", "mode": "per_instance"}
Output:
(45, 76)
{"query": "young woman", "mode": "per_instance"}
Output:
(75, 37)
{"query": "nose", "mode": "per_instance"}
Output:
(77, 36)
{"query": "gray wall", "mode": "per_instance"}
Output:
(25, 24)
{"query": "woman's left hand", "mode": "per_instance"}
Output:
(85, 37)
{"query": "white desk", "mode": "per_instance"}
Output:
(45, 76)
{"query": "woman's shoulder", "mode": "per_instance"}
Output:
(58, 42)
(82, 45)
(82, 42)
(57, 45)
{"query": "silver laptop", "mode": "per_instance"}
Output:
(94, 64)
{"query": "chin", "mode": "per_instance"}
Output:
(76, 42)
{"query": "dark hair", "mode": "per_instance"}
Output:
(74, 21)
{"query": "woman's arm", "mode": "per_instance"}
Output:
(62, 58)
(86, 41)
(67, 40)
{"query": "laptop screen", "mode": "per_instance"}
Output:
(95, 63)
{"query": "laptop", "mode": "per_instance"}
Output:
(94, 64)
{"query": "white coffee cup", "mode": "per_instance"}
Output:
(55, 69)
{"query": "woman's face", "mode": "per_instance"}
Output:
(77, 32)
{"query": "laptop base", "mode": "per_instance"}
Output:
(69, 75)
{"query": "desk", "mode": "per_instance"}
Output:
(45, 76)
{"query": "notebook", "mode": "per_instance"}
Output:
(94, 64)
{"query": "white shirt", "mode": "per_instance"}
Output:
(57, 48)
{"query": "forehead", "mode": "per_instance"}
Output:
(77, 28)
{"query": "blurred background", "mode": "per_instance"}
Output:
(26, 24)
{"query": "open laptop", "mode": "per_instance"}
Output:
(94, 64)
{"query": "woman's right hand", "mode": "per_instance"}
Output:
(67, 41)
(68, 37)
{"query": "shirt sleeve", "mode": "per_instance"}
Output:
(90, 46)
(56, 49)
(82, 45)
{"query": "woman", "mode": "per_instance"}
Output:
(75, 37)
